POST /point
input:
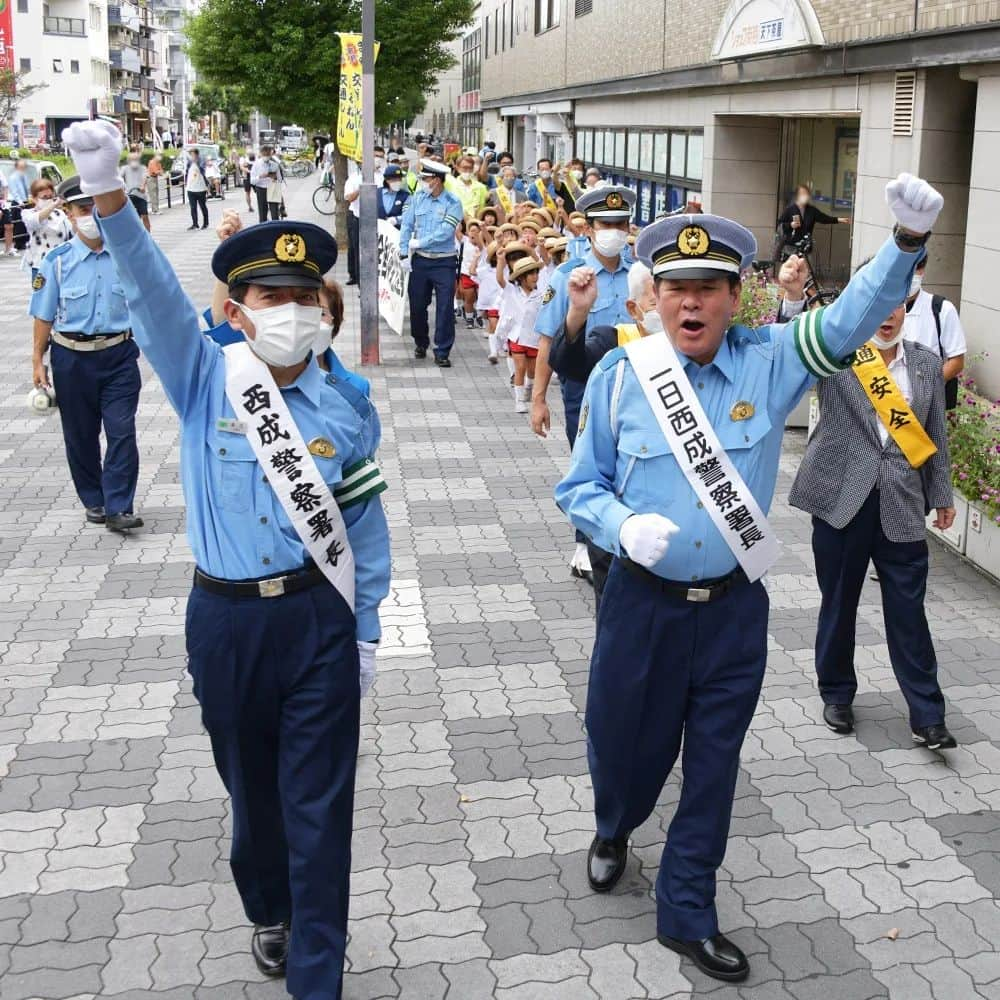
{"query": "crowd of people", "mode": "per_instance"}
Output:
(674, 415)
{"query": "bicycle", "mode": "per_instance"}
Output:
(324, 198)
(816, 293)
(301, 168)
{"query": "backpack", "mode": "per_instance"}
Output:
(951, 386)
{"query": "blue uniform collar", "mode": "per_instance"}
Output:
(310, 382)
(79, 250)
(723, 361)
(590, 259)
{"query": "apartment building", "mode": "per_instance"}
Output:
(731, 103)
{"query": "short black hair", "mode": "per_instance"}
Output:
(506, 155)
(734, 280)
(544, 159)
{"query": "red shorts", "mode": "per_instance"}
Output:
(468, 282)
(528, 352)
(493, 313)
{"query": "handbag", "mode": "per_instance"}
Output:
(274, 191)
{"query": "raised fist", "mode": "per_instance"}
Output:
(582, 287)
(95, 147)
(914, 203)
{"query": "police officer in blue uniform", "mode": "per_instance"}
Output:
(682, 633)
(277, 655)
(608, 210)
(82, 317)
(393, 197)
(427, 249)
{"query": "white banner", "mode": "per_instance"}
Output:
(698, 451)
(290, 468)
(392, 279)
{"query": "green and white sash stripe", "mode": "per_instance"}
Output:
(361, 481)
(807, 331)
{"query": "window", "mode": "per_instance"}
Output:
(95, 17)
(619, 160)
(503, 27)
(546, 15)
(496, 32)
(57, 66)
(678, 154)
(22, 6)
(74, 65)
(583, 7)
(513, 18)
(486, 37)
(695, 143)
(660, 153)
(25, 65)
(632, 162)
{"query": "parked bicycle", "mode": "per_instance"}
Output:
(324, 198)
(301, 168)
(816, 292)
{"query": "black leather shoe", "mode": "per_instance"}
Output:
(122, 522)
(95, 515)
(839, 718)
(716, 956)
(935, 737)
(442, 362)
(269, 946)
(420, 352)
(605, 862)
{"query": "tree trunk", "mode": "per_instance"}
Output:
(340, 216)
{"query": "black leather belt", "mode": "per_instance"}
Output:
(267, 586)
(94, 336)
(708, 590)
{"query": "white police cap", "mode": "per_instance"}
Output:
(612, 203)
(431, 168)
(695, 246)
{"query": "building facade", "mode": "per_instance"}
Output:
(730, 105)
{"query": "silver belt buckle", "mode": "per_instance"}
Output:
(271, 588)
(699, 594)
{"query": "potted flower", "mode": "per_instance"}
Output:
(974, 442)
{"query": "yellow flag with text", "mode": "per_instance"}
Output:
(349, 114)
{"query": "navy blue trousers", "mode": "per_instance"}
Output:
(841, 565)
(664, 669)
(278, 684)
(95, 388)
(435, 277)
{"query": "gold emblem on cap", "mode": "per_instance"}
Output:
(693, 241)
(743, 410)
(322, 448)
(614, 200)
(290, 248)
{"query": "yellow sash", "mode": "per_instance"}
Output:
(503, 196)
(572, 185)
(546, 197)
(891, 407)
(627, 332)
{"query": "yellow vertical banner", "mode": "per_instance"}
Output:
(349, 112)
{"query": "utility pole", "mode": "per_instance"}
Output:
(368, 203)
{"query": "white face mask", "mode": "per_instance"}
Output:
(915, 285)
(466, 175)
(86, 226)
(285, 334)
(651, 322)
(577, 174)
(395, 185)
(610, 242)
(323, 338)
(379, 163)
(886, 344)
(545, 174)
(425, 187)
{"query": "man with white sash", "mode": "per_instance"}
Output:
(673, 471)
(292, 554)
(869, 501)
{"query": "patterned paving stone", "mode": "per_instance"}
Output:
(474, 806)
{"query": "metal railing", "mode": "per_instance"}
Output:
(75, 26)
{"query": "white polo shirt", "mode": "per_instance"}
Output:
(920, 327)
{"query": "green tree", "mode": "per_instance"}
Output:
(14, 89)
(208, 97)
(284, 55)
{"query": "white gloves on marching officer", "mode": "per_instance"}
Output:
(96, 148)
(913, 202)
(405, 265)
(645, 538)
(366, 656)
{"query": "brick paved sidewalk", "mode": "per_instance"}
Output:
(473, 804)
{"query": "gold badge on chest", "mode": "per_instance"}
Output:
(322, 448)
(743, 410)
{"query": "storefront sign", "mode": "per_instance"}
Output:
(757, 27)
(392, 279)
(6, 35)
(134, 107)
(469, 101)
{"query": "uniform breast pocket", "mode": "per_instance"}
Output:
(601, 308)
(741, 437)
(234, 466)
(72, 305)
(645, 471)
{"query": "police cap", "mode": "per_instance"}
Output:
(431, 168)
(391, 172)
(69, 190)
(283, 253)
(611, 203)
(696, 246)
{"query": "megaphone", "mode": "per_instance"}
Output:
(42, 400)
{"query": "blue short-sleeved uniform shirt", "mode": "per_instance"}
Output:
(612, 294)
(432, 222)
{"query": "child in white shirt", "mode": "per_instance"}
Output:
(520, 302)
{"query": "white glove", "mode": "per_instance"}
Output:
(405, 265)
(414, 243)
(366, 656)
(645, 538)
(914, 203)
(95, 147)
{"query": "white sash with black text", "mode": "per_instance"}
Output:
(699, 453)
(290, 468)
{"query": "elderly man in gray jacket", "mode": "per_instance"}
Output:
(876, 464)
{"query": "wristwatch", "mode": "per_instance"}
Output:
(907, 241)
